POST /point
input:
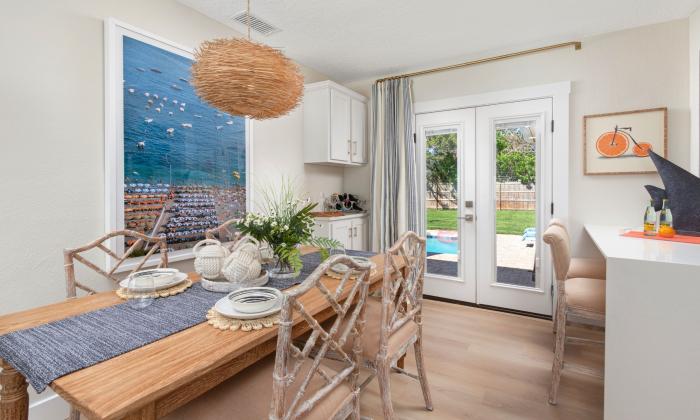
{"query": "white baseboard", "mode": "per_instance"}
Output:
(52, 407)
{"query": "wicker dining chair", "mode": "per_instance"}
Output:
(394, 321)
(150, 244)
(581, 298)
(297, 382)
(223, 232)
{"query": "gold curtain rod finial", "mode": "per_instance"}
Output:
(575, 44)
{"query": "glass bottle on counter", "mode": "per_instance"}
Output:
(650, 220)
(666, 221)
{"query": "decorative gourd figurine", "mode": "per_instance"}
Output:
(209, 257)
(243, 265)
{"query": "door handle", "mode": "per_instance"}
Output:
(467, 217)
(354, 148)
(349, 147)
(355, 230)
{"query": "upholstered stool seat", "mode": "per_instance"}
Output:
(593, 268)
(585, 295)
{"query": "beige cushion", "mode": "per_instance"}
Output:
(248, 395)
(586, 294)
(558, 240)
(370, 337)
(587, 267)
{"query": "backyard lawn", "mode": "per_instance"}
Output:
(509, 222)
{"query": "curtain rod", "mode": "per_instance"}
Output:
(575, 44)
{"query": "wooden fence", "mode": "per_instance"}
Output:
(509, 196)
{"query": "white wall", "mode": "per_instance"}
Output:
(694, 61)
(640, 68)
(51, 113)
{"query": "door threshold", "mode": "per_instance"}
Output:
(489, 307)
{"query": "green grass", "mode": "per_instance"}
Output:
(509, 222)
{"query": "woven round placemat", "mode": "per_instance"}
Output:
(221, 322)
(178, 288)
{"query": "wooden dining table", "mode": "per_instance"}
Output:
(153, 380)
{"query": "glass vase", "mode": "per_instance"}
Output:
(281, 269)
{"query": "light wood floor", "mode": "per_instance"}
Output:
(484, 364)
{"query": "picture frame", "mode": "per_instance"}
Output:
(608, 154)
(142, 129)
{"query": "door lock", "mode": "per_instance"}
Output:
(468, 204)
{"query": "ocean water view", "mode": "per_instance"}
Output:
(184, 161)
(170, 135)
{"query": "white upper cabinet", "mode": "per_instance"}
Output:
(335, 125)
(340, 126)
(358, 118)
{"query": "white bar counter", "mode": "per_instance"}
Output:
(652, 327)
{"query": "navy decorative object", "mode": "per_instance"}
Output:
(682, 191)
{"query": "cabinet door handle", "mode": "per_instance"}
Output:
(350, 232)
(355, 229)
(354, 148)
(349, 147)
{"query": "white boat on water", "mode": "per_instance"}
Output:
(157, 109)
(132, 90)
(182, 109)
(229, 122)
(146, 94)
(149, 120)
(141, 145)
(170, 131)
(186, 125)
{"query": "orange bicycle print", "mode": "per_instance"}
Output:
(615, 143)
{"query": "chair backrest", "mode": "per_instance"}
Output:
(558, 240)
(560, 223)
(289, 358)
(402, 288)
(223, 232)
(136, 241)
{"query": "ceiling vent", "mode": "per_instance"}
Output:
(256, 24)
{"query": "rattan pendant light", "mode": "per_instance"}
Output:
(245, 78)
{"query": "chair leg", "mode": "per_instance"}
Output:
(554, 322)
(558, 361)
(422, 377)
(383, 370)
(356, 408)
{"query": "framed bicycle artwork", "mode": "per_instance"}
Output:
(619, 142)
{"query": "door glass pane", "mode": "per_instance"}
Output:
(441, 200)
(516, 198)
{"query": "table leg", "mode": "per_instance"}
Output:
(14, 399)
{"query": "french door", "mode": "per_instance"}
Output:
(486, 179)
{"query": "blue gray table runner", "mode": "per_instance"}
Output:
(49, 351)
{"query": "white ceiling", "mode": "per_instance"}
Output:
(357, 39)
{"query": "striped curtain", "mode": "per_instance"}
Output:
(394, 190)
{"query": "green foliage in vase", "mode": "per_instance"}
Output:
(285, 223)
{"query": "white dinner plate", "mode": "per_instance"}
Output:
(224, 307)
(158, 284)
(341, 268)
